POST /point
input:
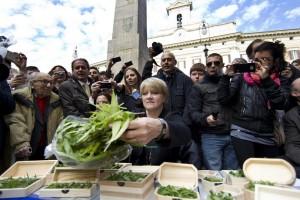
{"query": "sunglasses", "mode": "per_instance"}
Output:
(216, 63)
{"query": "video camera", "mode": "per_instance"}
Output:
(157, 48)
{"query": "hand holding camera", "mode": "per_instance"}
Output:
(19, 59)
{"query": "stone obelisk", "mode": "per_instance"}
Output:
(129, 39)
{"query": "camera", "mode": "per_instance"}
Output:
(6, 57)
(157, 48)
(59, 74)
(116, 59)
(105, 85)
(241, 68)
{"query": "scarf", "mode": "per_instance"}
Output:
(254, 79)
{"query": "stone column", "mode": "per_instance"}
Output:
(129, 39)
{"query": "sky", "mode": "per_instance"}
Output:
(48, 31)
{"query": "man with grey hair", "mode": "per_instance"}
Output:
(35, 118)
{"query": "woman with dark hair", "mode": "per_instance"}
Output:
(59, 75)
(129, 93)
(250, 49)
(254, 97)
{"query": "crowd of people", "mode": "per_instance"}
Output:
(215, 119)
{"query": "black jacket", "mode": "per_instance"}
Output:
(292, 132)
(179, 86)
(128, 101)
(253, 106)
(74, 99)
(7, 106)
(165, 150)
(203, 101)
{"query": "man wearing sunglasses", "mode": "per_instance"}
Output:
(205, 112)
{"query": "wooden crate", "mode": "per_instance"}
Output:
(152, 169)
(239, 182)
(40, 169)
(67, 175)
(127, 190)
(236, 192)
(178, 175)
(277, 171)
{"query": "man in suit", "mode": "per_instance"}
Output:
(75, 92)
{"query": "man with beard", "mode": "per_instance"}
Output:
(204, 111)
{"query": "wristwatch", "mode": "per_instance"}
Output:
(163, 131)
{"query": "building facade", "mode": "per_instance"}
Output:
(188, 41)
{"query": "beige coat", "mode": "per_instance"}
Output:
(21, 121)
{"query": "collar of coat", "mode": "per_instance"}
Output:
(25, 97)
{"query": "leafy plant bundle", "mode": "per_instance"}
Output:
(73, 185)
(213, 179)
(127, 176)
(17, 182)
(89, 140)
(237, 173)
(179, 192)
(251, 185)
(219, 196)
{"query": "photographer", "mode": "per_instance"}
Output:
(59, 75)
(254, 97)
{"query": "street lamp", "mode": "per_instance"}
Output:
(204, 31)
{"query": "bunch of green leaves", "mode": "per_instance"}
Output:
(89, 140)
(17, 182)
(73, 185)
(213, 179)
(251, 184)
(179, 192)
(237, 173)
(127, 176)
(219, 196)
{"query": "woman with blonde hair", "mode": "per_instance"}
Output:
(163, 145)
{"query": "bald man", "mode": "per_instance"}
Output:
(35, 119)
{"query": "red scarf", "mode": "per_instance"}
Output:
(252, 78)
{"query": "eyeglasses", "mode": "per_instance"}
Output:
(216, 63)
(45, 82)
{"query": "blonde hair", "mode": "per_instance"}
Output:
(154, 85)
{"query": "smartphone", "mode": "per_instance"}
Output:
(241, 68)
(129, 63)
(215, 115)
(12, 56)
(105, 85)
(116, 59)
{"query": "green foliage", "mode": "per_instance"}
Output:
(179, 192)
(237, 173)
(73, 185)
(213, 179)
(219, 196)
(88, 141)
(127, 176)
(251, 185)
(17, 182)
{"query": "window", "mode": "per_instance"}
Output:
(196, 60)
(294, 54)
(181, 64)
(179, 20)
